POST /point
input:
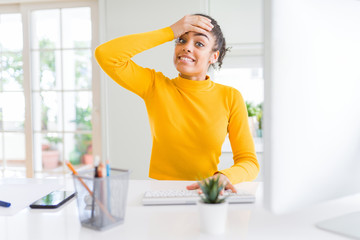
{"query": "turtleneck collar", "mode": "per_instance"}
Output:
(203, 85)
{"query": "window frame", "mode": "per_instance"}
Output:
(25, 10)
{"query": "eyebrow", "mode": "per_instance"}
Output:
(201, 34)
(198, 34)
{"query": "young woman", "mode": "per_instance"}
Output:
(189, 115)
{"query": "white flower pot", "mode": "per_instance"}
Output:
(213, 217)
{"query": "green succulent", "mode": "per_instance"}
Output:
(211, 190)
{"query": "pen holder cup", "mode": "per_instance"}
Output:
(101, 201)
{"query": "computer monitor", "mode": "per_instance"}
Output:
(312, 102)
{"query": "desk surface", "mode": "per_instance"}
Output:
(245, 221)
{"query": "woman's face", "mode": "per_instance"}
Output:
(193, 55)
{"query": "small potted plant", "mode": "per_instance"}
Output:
(259, 117)
(252, 112)
(212, 206)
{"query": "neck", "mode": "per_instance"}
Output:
(200, 77)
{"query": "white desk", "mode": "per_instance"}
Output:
(245, 221)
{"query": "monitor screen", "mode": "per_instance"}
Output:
(312, 101)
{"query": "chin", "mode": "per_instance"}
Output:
(188, 71)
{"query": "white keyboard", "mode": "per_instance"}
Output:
(183, 197)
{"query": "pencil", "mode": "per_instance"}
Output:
(100, 170)
(80, 179)
(91, 193)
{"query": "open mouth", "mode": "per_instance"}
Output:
(186, 59)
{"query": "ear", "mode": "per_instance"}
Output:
(214, 57)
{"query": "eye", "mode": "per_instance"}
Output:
(199, 44)
(180, 40)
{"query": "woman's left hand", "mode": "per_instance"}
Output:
(223, 180)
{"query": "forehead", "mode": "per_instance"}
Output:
(209, 37)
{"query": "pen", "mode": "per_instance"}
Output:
(107, 168)
(108, 184)
(4, 204)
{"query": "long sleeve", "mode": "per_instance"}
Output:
(114, 57)
(186, 127)
(246, 166)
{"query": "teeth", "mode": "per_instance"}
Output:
(186, 59)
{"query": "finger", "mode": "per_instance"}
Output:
(231, 187)
(193, 186)
(200, 21)
(199, 30)
(203, 19)
(203, 24)
(206, 21)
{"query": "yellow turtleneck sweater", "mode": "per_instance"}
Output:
(189, 120)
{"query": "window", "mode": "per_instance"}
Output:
(61, 85)
(12, 102)
(244, 72)
(57, 76)
(248, 80)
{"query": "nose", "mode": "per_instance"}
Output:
(187, 47)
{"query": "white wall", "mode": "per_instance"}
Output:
(240, 20)
(129, 138)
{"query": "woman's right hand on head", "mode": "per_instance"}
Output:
(192, 23)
